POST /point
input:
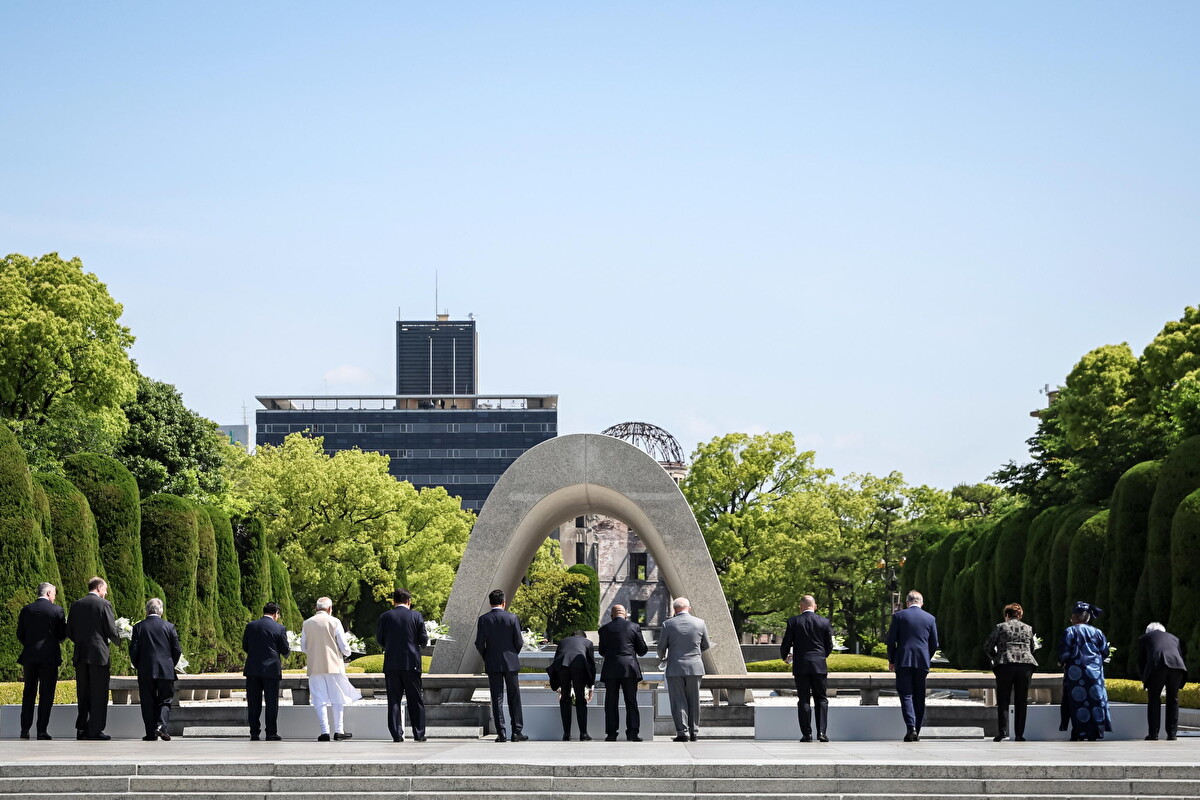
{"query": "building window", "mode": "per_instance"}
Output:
(638, 569)
(452, 427)
(637, 611)
(580, 522)
(580, 553)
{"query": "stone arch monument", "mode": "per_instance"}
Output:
(567, 477)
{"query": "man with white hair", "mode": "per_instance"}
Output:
(1161, 665)
(154, 650)
(912, 640)
(323, 640)
(684, 637)
(41, 627)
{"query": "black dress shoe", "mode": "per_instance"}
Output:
(822, 737)
(25, 735)
(397, 738)
(911, 736)
(501, 738)
(1170, 737)
(680, 738)
(341, 737)
(692, 737)
(612, 737)
(274, 737)
(583, 737)
(1000, 738)
(99, 737)
(806, 738)
(80, 735)
(1019, 739)
(162, 734)
(254, 737)
(150, 737)
(520, 737)
(566, 738)
(44, 737)
(419, 739)
(634, 738)
(1152, 738)
(324, 737)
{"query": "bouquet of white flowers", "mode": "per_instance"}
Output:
(182, 664)
(124, 628)
(355, 643)
(530, 641)
(436, 631)
(1037, 642)
(293, 641)
(839, 643)
(1111, 651)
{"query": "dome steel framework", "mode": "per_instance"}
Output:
(660, 444)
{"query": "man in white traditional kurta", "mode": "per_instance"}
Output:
(323, 640)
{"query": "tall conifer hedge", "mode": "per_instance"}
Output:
(171, 549)
(1128, 521)
(22, 547)
(74, 532)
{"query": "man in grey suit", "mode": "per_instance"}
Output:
(683, 639)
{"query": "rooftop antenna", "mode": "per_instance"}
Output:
(244, 413)
(435, 294)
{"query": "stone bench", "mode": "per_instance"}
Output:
(870, 684)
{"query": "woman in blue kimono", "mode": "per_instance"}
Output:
(1081, 657)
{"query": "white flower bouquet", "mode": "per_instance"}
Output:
(293, 641)
(181, 665)
(1037, 642)
(124, 628)
(839, 643)
(355, 644)
(1111, 651)
(437, 632)
(530, 641)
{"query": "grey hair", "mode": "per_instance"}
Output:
(154, 606)
(324, 604)
(1155, 626)
(680, 604)
(44, 589)
(914, 597)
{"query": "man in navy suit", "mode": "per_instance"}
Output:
(911, 642)
(401, 633)
(621, 642)
(266, 644)
(1161, 664)
(573, 674)
(807, 642)
(498, 640)
(153, 650)
(41, 627)
(91, 625)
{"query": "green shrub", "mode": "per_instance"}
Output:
(960, 649)
(1185, 577)
(171, 549)
(1035, 591)
(281, 593)
(112, 495)
(74, 531)
(206, 643)
(1068, 525)
(932, 577)
(64, 693)
(21, 547)
(1180, 476)
(251, 541)
(1085, 562)
(231, 614)
(1008, 572)
(374, 664)
(1127, 527)
(587, 616)
(838, 662)
(49, 557)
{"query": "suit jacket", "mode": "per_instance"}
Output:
(154, 648)
(912, 638)
(41, 626)
(91, 626)
(621, 642)
(401, 632)
(575, 656)
(809, 640)
(266, 644)
(684, 637)
(1159, 649)
(498, 640)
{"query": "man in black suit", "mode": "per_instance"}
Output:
(401, 633)
(573, 674)
(498, 640)
(91, 625)
(41, 627)
(912, 640)
(153, 651)
(621, 642)
(1162, 666)
(266, 644)
(807, 642)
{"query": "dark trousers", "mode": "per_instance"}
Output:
(1172, 681)
(498, 683)
(910, 685)
(156, 694)
(405, 684)
(258, 690)
(613, 690)
(579, 688)
(812, 685)
(40, 679)
(1012, 679)
(91, 686)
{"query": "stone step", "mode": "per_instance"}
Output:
(1065, 795)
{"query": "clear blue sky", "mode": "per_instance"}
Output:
(882, 226)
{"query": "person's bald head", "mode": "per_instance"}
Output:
(808, 603)
(618, 611)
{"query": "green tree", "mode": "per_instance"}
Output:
(170, 551)
(587, 618)
(251, 541)
(281, 593)
(75, 536)
(1086, 561)
(112, 495)
(342, 521)
(170, 448)
(548, 592)
(231, 614)
(21, 547)
(206, 643)
(64, 366)
(736, 487)
(1185, 575)
(49, 557)
(1171, 365)
(1128, 521)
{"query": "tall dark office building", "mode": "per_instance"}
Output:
(436, 357)
(445, 435)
